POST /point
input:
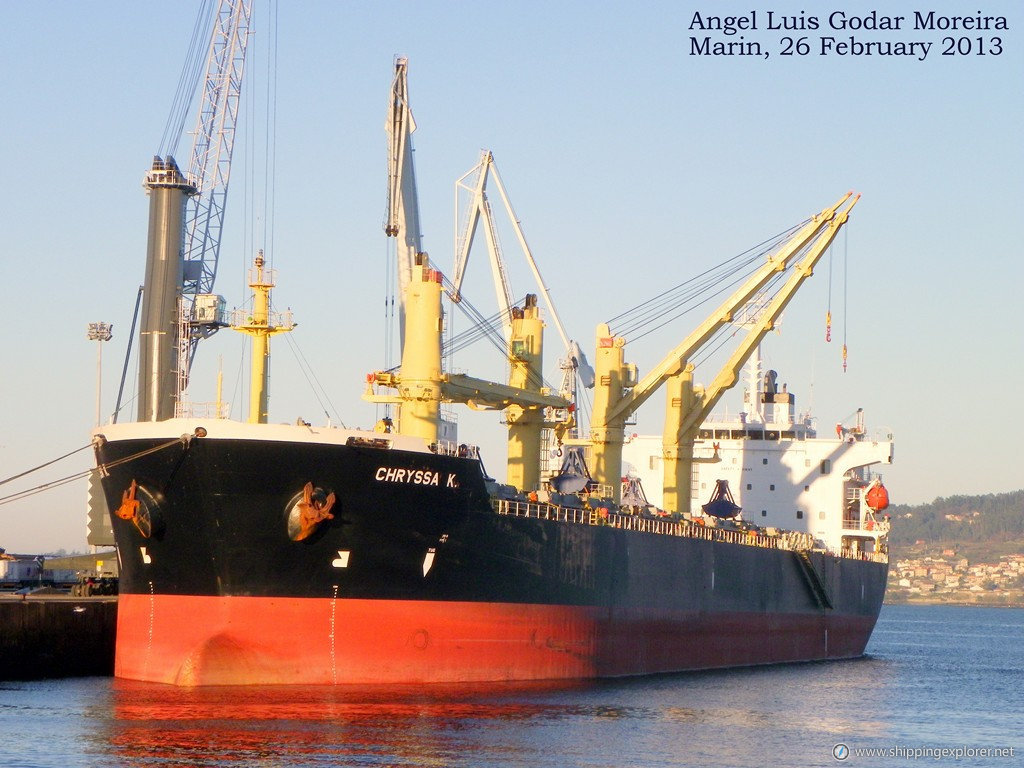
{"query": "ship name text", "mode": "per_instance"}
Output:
(414, 477)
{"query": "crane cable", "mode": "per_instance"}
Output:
(476, 317)
(489, 326)
(721, 337)
(705, 295)
(655, 309)
(828, 312)
(188, 80)
(311, 379)
(43, 466)
(846, 242)
(649, 316)
(484, 327)
(270, 146)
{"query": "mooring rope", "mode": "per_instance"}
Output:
(85, 473)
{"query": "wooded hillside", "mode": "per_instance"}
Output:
(993, 516)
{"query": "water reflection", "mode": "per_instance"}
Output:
(906, 692)
(279, 725)
(665, 718)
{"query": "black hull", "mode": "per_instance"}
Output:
(416, 532)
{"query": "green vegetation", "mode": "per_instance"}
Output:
(983, 530)
(991, 519)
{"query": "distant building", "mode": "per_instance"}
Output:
(15, 569)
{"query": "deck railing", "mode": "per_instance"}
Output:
(788, 540)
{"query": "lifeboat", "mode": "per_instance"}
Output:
(877, 497)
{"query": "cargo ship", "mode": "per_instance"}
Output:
(420, 573)
(258, 553)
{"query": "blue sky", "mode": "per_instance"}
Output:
(631, 164)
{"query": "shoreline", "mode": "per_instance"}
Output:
(1016, 602)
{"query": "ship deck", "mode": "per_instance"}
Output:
(786, 540)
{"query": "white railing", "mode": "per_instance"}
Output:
(540, 511)
(243, 318)
(788, 540)
(190, 410)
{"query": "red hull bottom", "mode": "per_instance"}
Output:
(188, 640)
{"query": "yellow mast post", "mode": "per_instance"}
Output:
(525, 425)
(219, 405)
(677, 446)
(260, 325)
(422, 386)
(420, 390)
(607, 432)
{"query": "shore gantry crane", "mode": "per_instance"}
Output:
(185, 224)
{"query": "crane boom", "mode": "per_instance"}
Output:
(403, 216)
(729, 373)
(619, 393)
(675, 360)
(529, 257)
(480, 208)
(210, 166)
(687, 407)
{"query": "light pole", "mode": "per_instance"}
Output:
(99, 332)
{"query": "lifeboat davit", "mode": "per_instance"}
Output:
(877, 497)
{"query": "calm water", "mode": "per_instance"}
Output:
(934, 677)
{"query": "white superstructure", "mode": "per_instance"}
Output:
(780, 471)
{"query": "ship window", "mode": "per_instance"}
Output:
(733, 459)
(826, 466)
(749, 486)
(799, 514)
(764, 461)
(764, 513)
(821, 515)
(654, 462)
(771, 487)
(807, 488)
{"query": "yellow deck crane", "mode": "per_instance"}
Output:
(402, 221)
(522, 327)
(619, 392)
(421, 384)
